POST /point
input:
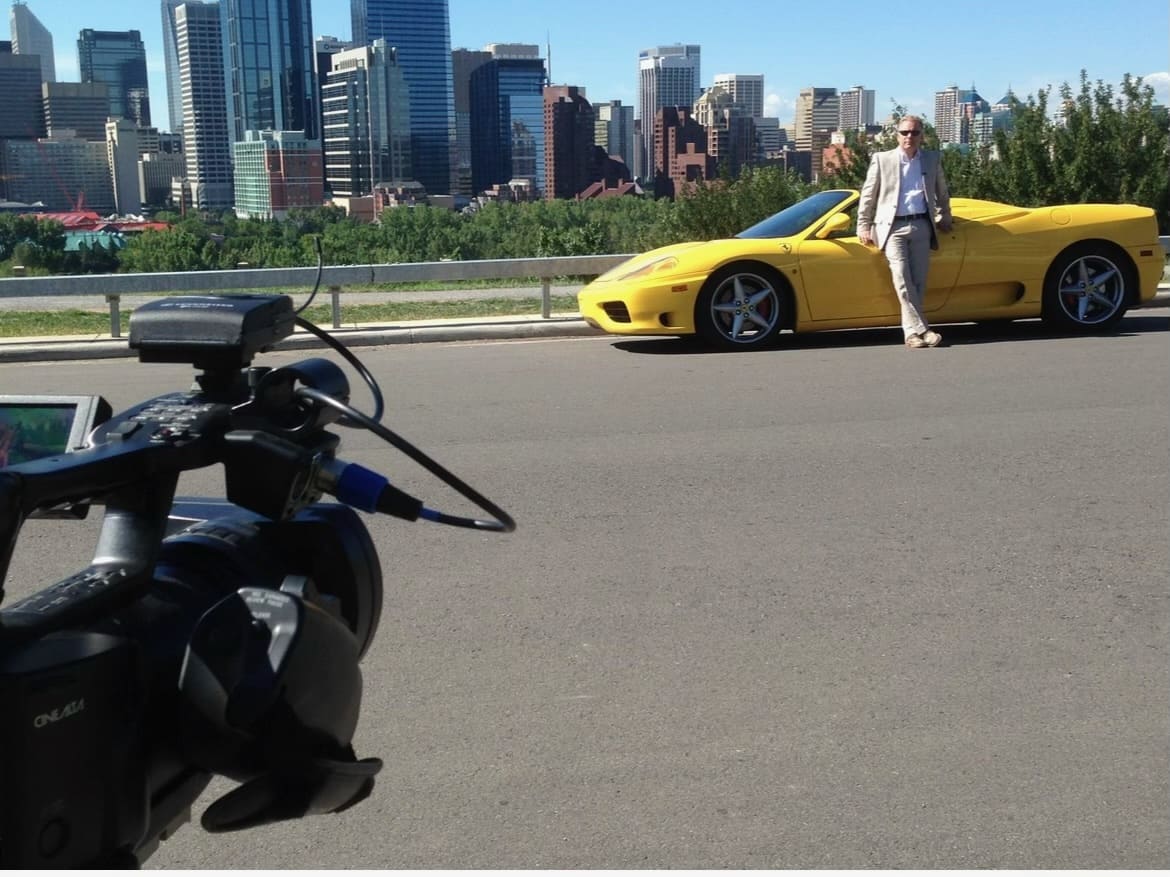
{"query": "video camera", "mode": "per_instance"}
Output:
(207, 636)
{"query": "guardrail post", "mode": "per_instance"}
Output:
(335, 300)
(115, 302)
(546, 297)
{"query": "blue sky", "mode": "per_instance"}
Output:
(904, 52)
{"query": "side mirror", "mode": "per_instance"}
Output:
(835, 223)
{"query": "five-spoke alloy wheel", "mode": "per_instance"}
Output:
(1087, 288)
(741, 306)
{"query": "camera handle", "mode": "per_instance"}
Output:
(124, 557)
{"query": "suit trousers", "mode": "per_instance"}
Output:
(908, 252)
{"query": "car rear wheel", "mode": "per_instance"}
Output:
(1088, 288)
(741, 306)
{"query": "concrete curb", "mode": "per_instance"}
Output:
(485, 329)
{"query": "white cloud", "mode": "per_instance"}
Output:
(1160, 82)
(780, 108)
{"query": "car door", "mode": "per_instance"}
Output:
(845, 280)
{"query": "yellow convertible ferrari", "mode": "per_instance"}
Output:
(1077, 266)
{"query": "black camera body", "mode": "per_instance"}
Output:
(206, 637)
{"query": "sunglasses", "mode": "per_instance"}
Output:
(909, 133)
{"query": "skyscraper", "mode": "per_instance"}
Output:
(946, 103)
(420, 30)
(117, 58)
(817, 109)
(463, 63)
(20, 83)
(269, 45)
(206, 138)
(680, 146)
(746, 89)
(614, 130)
(30, 37)
(122, 150)
(668, 76)
(731, 133)
(62, 172)
(856, 108)
(171, 65)
(568, 141)
(366, 121)
(954, 110)
(80, 107)
(1001, 117)
(324, 48)
(507, 116)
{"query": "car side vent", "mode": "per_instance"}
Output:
(617, 311)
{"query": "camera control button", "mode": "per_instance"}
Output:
(123, 430)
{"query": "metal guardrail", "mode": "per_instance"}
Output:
(333, 279)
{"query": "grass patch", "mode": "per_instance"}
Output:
(27, 324)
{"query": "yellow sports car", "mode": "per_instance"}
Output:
(1078, 266)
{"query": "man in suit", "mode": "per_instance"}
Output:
(904, 204)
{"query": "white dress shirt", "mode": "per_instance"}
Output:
(912, 189)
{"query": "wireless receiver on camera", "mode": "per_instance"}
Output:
(213, 332)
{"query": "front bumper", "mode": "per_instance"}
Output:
(622, 309)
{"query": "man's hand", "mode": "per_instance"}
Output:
(866, 238)
(943, 225)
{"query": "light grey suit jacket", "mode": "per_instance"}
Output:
(879, 194)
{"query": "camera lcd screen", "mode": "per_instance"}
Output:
(32, 427)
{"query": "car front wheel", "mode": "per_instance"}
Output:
(741, 306)
(1087, 288)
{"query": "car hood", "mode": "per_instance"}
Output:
(648, 258)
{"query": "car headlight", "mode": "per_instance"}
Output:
(625, 272)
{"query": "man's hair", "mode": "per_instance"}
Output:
(910, 117)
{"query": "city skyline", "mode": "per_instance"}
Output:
(589, 52)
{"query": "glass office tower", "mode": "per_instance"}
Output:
(270, 51)
(507, 116)
(117, 58)
(420, 30)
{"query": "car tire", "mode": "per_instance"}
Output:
(741, 306)
(1089, 287)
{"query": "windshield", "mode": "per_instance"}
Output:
(795, 219)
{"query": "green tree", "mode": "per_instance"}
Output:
(849, 172)
(164, 251)
(719, 210)
(1102, 148)
(1112, 148)
(419, 234)
(32, 242)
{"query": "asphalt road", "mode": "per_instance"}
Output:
(834, 605)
